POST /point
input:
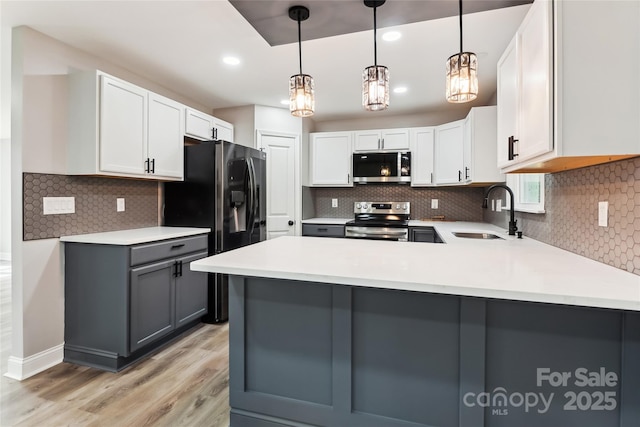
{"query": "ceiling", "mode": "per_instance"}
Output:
(180, 45)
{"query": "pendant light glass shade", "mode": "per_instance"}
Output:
(462, 74)
(301, 96)
(375, 78)
(462, 77)
(375, 88)
(301, 87)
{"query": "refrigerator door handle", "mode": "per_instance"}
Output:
(252, 195)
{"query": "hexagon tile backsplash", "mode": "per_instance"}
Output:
(571, 218)
(95, 205)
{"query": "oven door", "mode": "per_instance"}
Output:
(399, 234)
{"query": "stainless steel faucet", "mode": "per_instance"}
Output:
(512, 220)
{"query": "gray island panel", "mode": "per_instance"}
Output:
(305, 353)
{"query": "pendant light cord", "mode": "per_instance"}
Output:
(460, 3)
(375, 39)
(299, 43)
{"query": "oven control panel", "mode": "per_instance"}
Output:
(403, 208)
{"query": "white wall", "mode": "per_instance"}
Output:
(5, 143)
(39, 65)
(243, 119)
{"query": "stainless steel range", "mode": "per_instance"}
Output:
(380, 221)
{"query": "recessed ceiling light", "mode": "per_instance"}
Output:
(285, 102)
(391, 36)
(400, 89)
(231, 60)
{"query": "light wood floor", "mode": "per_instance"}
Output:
(184, 384)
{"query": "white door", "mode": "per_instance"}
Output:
(282, 193)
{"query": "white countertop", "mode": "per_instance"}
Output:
(135, 236)
(514, 269)
(329, 221)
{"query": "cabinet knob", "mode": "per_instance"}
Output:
(290, 222)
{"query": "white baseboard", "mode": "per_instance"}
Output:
(21, 369)
(5, 256)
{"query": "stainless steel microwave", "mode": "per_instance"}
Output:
(382, 166)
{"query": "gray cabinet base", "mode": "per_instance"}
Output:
(113, 362)
(314, 354)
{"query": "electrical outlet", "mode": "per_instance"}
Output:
(603, 213)
(58, 205)
(120, 204)
(498, 205)
(334, 203)
(434, 203)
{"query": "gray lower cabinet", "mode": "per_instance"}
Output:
(122, 302)
(323, 230)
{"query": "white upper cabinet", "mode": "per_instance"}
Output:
(119, 129)
(525, 90)
(166, 136)
(205, 127)
(330, 159)
(480, 147)
(381, 139)
(449, 153)
(567, 94)
(422, 156)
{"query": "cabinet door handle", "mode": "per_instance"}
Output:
(511, 148)
(177, 246)
(466, 172)
(431, 179)
(459, 175)
(214, 133)
(146, 165)
(153, 165)
(323, 229)
(180, 266)
(175, 269)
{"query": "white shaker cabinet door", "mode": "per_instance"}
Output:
(198, 125)
(508, 107)
(165, 150)
(367, 140)
(395, 139)
(422, 156)
(449, 153)
(535, 82)
(222, 130)
(123, 127)
(330, 159)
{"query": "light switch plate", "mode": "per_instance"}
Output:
(434, 203)
(603, 213)
(120, 204)
(334, 203)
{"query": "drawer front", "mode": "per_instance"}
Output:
(156, 251)
(323, 230)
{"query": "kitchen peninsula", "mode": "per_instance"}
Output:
(504, 332)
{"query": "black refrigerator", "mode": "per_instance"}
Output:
(224, 188)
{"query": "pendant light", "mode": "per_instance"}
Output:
(301, 93)
(462, 74)
(375, 79)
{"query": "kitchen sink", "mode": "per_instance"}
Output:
(470, 235)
